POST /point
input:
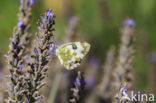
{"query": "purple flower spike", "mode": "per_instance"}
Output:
(130, 22)
(73, 20)
(20, 23)
(31, 2)
(22, 2)
(95, 63)
(90, 80)
(50, 14)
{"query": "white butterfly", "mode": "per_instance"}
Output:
(71, 54)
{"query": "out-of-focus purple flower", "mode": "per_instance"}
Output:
(22, 2)
(73, 20)
(1, 71)
(117, 98)
(31, 2)
(129, 22)
(151, 57)
(90, 81)
(28, 101)
(20, 23)
(83, 83)
(50, 14)
(95, 63)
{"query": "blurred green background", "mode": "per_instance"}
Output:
(100, 23)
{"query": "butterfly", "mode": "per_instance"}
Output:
(71, 54)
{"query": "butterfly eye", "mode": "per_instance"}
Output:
(74, 46)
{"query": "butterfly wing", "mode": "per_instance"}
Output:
(71, 54)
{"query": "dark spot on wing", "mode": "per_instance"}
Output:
(74, 46)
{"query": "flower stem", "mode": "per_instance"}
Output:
(56, 82)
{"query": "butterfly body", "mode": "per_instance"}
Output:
(71, 54)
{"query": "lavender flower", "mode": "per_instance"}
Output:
(122, 96)
(31, 2)
(40, 57)
(79, 86)
(20, 68)
(90, 81)
(95, 63)
(124, 65)
(22, 2)
(91, 75)
(51, 48)
(79, 82)
(35, 50)
(16, 52)
(129, 22)
(20, 23)
(23, 21)
(50, 14)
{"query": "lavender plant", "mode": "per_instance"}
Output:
(79, 86)
(43, 48)
(105, 87)
(122, 96)
(17, 51)
(123, 70)
(72, 29)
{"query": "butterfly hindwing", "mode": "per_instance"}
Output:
(71, 54)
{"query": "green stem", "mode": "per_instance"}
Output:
(53, 91)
